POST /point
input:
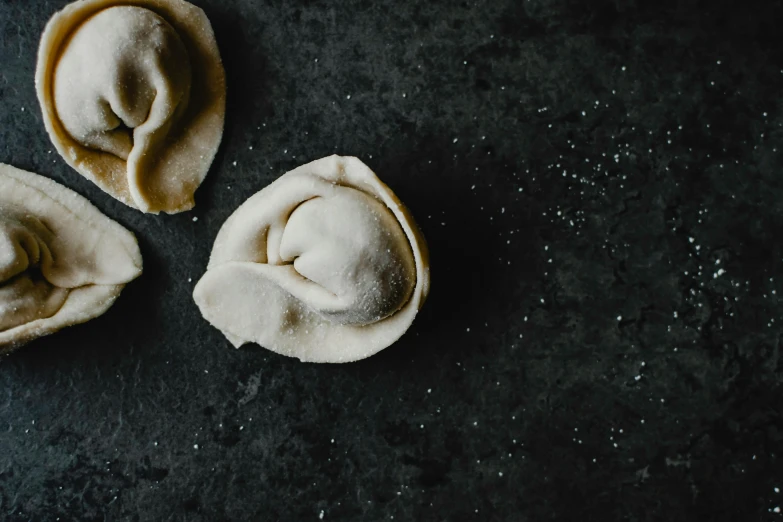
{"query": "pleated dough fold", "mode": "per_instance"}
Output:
(62, 262)
(325, 264)
(133, 97)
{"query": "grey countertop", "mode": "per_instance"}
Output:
(600, 184)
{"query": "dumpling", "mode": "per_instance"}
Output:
(62, 262)
(325, 264)
(133, 97)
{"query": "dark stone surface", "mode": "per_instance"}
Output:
(584, 172)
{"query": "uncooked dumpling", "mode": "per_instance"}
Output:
(325, 264)
(133, 97)
(62, 262)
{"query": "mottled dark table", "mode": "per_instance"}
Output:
(600, 184)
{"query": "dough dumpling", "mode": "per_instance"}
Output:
(62, 262)
(325, 264)
(133, 97)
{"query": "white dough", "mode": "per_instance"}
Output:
(62, 262)
(325, 264)
(133, 97)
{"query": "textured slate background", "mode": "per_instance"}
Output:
(600, 183)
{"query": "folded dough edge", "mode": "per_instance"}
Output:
(229, 281)
(84, 302)
(193, 149)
